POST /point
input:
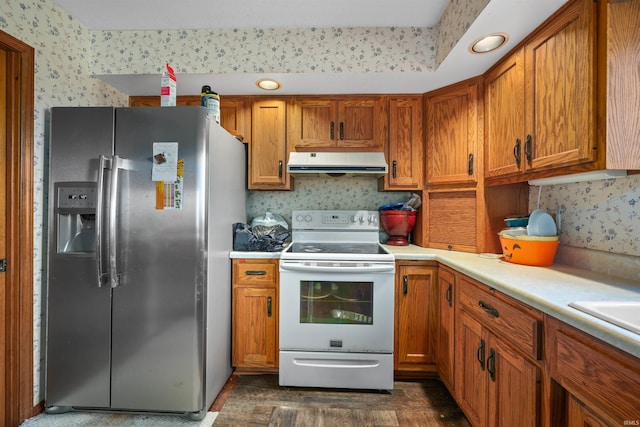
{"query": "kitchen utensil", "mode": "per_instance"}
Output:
(541, 224)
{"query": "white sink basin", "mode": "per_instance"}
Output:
(624, 314)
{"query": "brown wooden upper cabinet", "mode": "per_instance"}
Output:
(235, 112)
(268, 154)
(235, 116)
(540, 102)
(623, 84)
(405, 148)
(330, 124)
(454, 133)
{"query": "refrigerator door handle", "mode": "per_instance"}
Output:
(102, 276)
(114, 277)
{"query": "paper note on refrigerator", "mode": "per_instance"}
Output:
(169, 194)
(165, 161)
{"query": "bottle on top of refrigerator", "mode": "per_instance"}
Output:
(168, 87)
(211, 101)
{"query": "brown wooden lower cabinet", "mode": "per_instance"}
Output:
(415, 316)
(601, 382)
(445, 345)
(497, 378)
(255, 313)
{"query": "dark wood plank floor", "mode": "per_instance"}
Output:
(258, 400)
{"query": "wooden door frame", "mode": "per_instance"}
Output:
(19, 216)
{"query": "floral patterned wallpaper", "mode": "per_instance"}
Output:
(597, 219)
(283, 50)
(455, 21)
(599, 223)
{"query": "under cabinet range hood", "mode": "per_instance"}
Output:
(338, 163)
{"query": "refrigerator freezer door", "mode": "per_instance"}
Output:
(158, 306)
(78, 311)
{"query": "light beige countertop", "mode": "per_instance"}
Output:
(548, 289)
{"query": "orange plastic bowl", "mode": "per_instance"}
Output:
(529, 250)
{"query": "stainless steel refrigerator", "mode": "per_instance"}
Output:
(141, 206)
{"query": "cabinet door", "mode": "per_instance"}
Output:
(235, 116)
(578, 415)
(415, 316)
(405, 145)
(560, 92)
(623, 84)
(268, 149)
(504, 117)
(362, 124)
(452, 134)
(446, 327)
(255, 313)
(312, 123)
(513, 387)
(472, 350)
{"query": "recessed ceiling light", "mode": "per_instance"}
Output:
(488, 43)
(268, 84)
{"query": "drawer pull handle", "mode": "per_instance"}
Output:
(480, 354)
(280, 169)
(269, 307)
(490, 310)
(450, 295)
(332, 131)
(491, 364)
(527, 148)
(256, 273)
(394, 169)
(405, 284)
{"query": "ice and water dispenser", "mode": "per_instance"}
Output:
(76, 217)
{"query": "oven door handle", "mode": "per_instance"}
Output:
(330, 267)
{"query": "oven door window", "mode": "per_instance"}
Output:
(333, 302)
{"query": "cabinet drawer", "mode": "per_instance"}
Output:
(520, 325)
(255, 272)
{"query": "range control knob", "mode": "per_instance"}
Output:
(354, 218)
(299, 217)
(308, 218)
(373, 220)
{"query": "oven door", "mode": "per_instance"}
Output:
(339, 306)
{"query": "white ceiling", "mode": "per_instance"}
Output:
(514, 17)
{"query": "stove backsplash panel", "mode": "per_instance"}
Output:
(318, 192)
